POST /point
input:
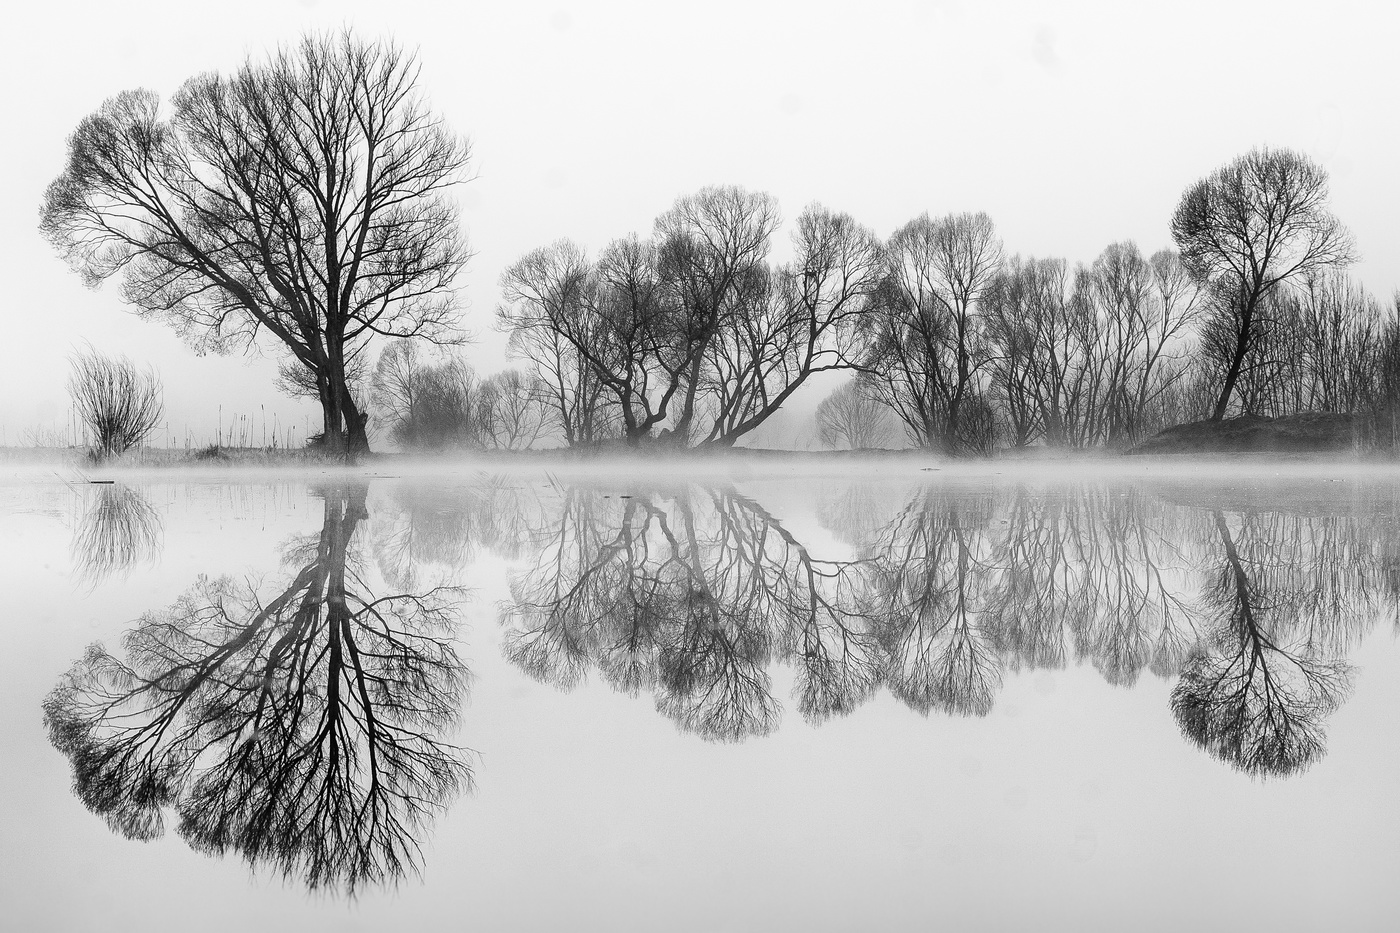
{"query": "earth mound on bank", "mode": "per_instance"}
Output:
(1309, 432)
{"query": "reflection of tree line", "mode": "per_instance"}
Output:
(299, 724)
(302, 724)
(657, 600)
(694, 594)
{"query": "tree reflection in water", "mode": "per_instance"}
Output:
(118, 530)
(300, 725)
(696, 594)
(1255, 694)
(690, 593)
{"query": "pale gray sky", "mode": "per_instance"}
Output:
(1072, 124)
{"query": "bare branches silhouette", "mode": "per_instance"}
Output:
(1247, 229)
(120, 404)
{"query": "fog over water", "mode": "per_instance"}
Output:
(739, 694)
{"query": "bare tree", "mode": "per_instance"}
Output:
(798, 320)
(1046, 360)
(1142, 309)
(302, 197)
(427, 404)
(1251, 698)
(925, 336)
(118, 531)
(119, 403)
(853, 416)
(514, 410)
(711, 248)
(1249, 227)
(691, 594)
(546, 307)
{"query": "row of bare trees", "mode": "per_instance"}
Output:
(305, 199)
(693, 336)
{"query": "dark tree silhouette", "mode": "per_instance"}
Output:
(1251, 699)
(691, 335)
(300, 728)
(1246, 229)
(925, 337)
(303, 197)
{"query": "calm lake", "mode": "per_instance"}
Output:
(1148, 696)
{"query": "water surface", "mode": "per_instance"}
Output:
(747, 700)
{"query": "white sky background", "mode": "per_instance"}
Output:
(1072, 124)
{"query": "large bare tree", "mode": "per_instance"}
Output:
(303, 197)
(1246, 229)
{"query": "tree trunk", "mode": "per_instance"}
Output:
(356, 429)
(1232, 375)
(345, 434)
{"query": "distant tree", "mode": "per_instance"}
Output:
(1246, 229)
(303, 197)
(1045, 359)
(427, 404)
(514, 410)
(802, 318)
(711, 252)
(852, 416)
(1386, 390)
(120, 404)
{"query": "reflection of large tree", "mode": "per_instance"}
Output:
(300, 727)
(690, 595)
(1257, 694)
